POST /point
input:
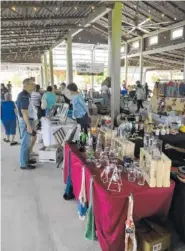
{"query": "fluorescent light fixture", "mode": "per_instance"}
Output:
(177, 33)
(153, 40)
(135, 45)
(122, 49)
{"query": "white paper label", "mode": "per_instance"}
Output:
(157, 247)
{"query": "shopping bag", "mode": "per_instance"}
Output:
(68, 195)
(82, 200)
(90, 233)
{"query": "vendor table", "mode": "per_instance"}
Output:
(48, 129)
(110, 208)
(177, 140)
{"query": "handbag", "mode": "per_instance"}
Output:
(82, 200)
(43, 103)
(90, 233)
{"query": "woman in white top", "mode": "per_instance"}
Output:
(140, 95)
(105, 94)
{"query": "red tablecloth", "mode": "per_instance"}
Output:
(110, 208)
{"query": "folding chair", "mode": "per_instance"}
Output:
(61, 138)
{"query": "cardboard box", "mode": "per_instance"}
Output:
(156, 238)
(50, 154)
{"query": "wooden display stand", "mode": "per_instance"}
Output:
(126, 147)
(157, 171)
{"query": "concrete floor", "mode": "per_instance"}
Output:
(34, 215)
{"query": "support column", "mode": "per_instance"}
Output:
(184, 69)
(51, 66)
(92, 62)
(41, 76)
(126, 63)
(69, 70)
(109, 43)
(45, 71)
(116, 60)
(141, 61)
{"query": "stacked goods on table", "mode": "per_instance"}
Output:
(125, 147)
(169, 96)
(157, 172)
(168, 104)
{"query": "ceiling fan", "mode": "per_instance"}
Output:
(141, 27)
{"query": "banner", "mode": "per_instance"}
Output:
(96, 69)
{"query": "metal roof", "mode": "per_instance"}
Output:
(28, 28)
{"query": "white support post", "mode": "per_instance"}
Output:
(51, 66)
(141, 61)
(41, 77)
(92, 63)
(45, 70)
(109, 43)
(184, 69)
(116, 60)
(69, 70)
(126, 63)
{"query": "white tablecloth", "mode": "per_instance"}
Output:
(48, 129)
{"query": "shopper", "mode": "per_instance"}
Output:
(36, 100)
(105, 94)
(80, 110)
(9, 87)
(27, 115)
(8, 118)
(140, 96)
(65, 93)
(50, 100)
(146, 90)
(3, 91)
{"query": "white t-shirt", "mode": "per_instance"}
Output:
(105, 89)
(67, 93)
(36, 98)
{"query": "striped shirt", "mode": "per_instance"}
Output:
(36, 98)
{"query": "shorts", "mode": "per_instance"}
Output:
(10, 127)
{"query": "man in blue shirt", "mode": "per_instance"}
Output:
(26, 122)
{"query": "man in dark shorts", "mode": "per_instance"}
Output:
(26, 122)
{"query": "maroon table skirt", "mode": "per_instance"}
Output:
(110, 208)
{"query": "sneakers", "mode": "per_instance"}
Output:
(13, 143)
(6, 140)
(32, 161)
(29, 167)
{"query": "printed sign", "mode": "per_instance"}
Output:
(96, 69)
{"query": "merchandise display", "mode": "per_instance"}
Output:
(147, 201)
(109, 157)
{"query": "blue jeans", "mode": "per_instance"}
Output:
(25, 143)
(105, 99)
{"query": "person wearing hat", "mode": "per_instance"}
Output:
(27, 114)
